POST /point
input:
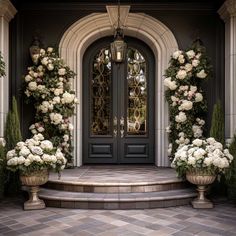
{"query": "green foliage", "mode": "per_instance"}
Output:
(217, 123)
(231, 182)
(2, 66)
(12, 137)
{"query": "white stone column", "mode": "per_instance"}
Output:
(7, 12)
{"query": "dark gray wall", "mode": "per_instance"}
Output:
(50, 19)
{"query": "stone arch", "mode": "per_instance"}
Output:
(155, 34)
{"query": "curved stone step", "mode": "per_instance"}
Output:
(66, 199)
(92, 187)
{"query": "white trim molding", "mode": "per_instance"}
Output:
(154, 33)
(7, 12)
(228, 14)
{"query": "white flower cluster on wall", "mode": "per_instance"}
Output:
(48, 83)
(187, 106)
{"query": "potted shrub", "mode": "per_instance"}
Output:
(33, 159)
(200, 162)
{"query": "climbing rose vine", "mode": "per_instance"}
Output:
(187, 106)
(48, 83)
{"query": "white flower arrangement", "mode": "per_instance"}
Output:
(185, 97)
(206, 155)
(35, 154)
(48, 82)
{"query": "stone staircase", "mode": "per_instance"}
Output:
(118, 188)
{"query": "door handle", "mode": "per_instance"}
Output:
(115, 126)
(122, 126)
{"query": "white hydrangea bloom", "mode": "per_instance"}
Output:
(181, 117)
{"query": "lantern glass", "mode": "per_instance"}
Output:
(118, 49)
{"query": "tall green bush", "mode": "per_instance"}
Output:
(217, 123)
(231, 183)
(12, 137)
(217, 131)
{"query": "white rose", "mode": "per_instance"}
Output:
(56, 118)
(50, 67)
(197, 142)
(20, 144)
(186, 105)
(42, 52)
(198, 55)
(36, 150)
(38, 137)
(24, 151)
(28, 78)
(56, 100)
(181, 74)
(191, 160)
(44, 61)
(62, 71)
(201, 74)
(181, 117)
(44, 107)
(32, 86)
(181, 59)
(40, 129)
(70, 127)
(211, 141)
(208, 161)
(188, 67)
(176, 54)
(66, 137)
(190, 54)
(58, 91)
(195, 63)
(41, 87)
(67, 97)
(170, 84)
(21, 160)
(11, 154)
(13, 162)
(46, 144)
(49, 49)
(193, 88)
(198, 97)
(40, 68)
(197, 131)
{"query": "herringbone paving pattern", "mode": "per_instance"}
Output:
(177, 221)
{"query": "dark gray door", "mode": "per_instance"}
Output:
(118, 105)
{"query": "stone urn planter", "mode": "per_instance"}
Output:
(33, 181)
(202, 180)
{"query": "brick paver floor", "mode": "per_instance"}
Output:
(177, 221)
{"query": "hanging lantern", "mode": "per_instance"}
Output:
(118, 46)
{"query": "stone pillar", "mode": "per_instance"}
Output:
(7, 12)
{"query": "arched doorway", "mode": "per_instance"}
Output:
(154, 33)
(118, 104)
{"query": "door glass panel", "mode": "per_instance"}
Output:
(100, 94)
(137, 93)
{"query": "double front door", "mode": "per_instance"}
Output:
(118, 105)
